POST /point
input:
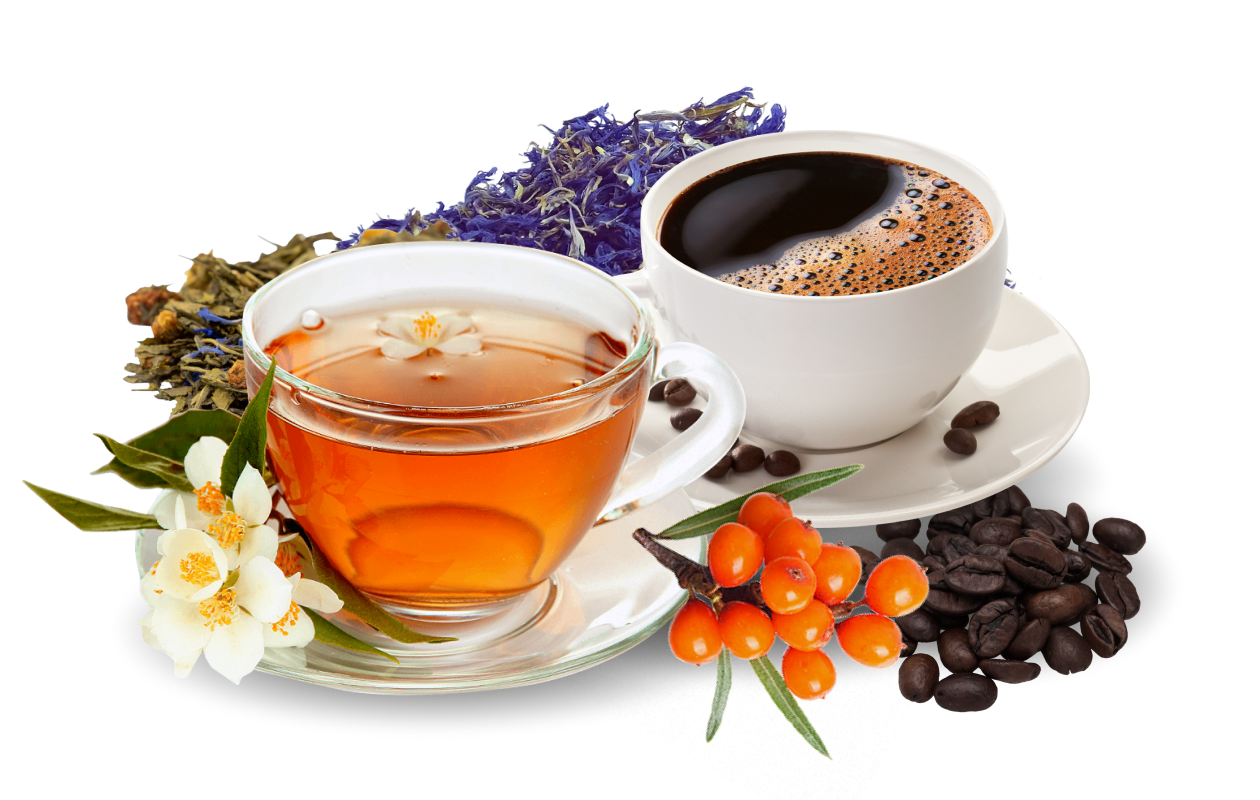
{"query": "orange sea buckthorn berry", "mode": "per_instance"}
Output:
(808, 674)
(735, 554)
(807, 629)
(787, 584)
(837, 570)
(693, 635)
(897, 585)
(870, 639)
(763, 511)
(746, 630)
(791, 537)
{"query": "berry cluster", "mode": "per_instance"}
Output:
(801, 597)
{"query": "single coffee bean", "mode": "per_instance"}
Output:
(1046, 522)
(1029, 641)
(1035, 520)
(960, 441)
(1062, 534)
(969, 513)
(975, 574)
(901, 547)
(1039, 536)
(1035, 564)
(684, 418)
(917, 678)
(999, 531)
(1104, 630)
(781, 462)
(1077, 522)
(1118, 591)
(981, 413)
(1056, 606)
(1018, 500)
(936, 580)
(679, 392)
(906, 529)
(1078, 566)
(955, 651)
(949, 521)
(932, 533)
(948, 602)
(933, 564)
(747, 457)
(1012, 587)
(1088, 601)
(1105, 559)
(1001, 503)
(1120, 535)
(908, 648)
(965, 692)
(948, 621)
(991, 551)
(1066, 651)
(1009, 671)
(722, 467)
(984, 508)
(657, 393)
(869, 560)
(993, 627)
(951, 547)
(918, 626)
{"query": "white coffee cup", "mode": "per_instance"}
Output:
(825, 373)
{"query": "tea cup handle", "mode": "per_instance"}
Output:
(693, 452)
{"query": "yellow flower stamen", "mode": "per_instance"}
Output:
(220, 609)
(228, 529)
(287, 560)
(210, 499)
(198, 569)
(289, 620)
(427, 326)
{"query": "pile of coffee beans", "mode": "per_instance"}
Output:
(742, 457)
(1006, 584)
(959, 438)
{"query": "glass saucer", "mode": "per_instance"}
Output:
(607, 597)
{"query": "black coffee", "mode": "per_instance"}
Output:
(825, 224)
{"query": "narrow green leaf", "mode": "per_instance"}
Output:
(720, 693)
(708, 521)
(786, 703)
(172, 440)
(329, 633)
(88, 516)
(362, 607)
(249, 445)
(169, 471)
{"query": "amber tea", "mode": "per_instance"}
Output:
(450, 514)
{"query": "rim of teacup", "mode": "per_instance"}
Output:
(644, 343)
(663, 193)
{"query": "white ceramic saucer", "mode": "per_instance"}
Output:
(1030, 367)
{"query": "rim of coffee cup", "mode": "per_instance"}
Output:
(254, 352)
(651, 217)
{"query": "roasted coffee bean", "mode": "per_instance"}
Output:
(965, 692)
(993, 627)
(955, 651)
(679, 392)
(722, 467)
(948, 621)
(936, 580)
(1089, 601)
(984, 508)
(991, 551)
(1035, 520)
(933, 564)
(1066, 651)
(1120, 535)
(906, 529)
(1118, 591)
(969, 513)
(869, 560)
(1039, 536)
(1077, 522)
(918, 626)
(948, 602)
(975, 574)
(1035, 564)
(917, 678)
(1009, 671)
(1056, 606)
(747, 457)
(1047, 523)
(1104, 558)
(1029, 641)
(1104, 630)
(908, 648)
(999, 531)
(1019, 500)
(1062, 534)
(960, 441)
(1012, 587)
(951, 547)
(932, 533)
(1001, 503)
(1078, 566)
(949, 521)
(781, 462)
(981, 413)
(684, 418)
(901, 547)
(657, 393)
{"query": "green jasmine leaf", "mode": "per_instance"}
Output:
(172, 440)
(249, 445)
(170, 472)
(329, 633)
(786, 703)
(707, 522)
(720, 694)
(88, 516)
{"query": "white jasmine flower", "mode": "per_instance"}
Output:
(408, 336)
(295, 629)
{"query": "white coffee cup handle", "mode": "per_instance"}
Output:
(693, 452)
